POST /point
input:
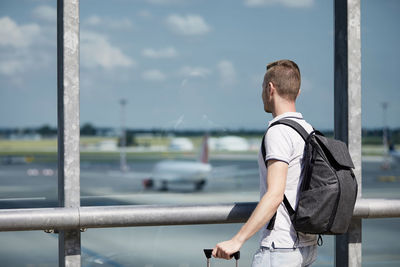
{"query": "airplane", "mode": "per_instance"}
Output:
(196, 173)
(181, 172)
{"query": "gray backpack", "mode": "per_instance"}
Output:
(328, 189)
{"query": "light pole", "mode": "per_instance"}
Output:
(123, 165)
(386, 161)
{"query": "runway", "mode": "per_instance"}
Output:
(103, 184)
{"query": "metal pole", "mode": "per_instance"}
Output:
(157, 215)
(386, 156)
(348, 112)
(123, 165)
(385, 127)
(68, 125)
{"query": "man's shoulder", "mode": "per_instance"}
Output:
(284, 128)
(277, 131)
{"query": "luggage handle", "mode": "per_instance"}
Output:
(208, 252)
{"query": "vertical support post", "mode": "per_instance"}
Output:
(123, 165)
(348, 112)
(68, 124)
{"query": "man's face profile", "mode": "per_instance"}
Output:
(265, 96)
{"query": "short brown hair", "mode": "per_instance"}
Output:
(285, 75)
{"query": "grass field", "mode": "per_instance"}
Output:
(48, 148)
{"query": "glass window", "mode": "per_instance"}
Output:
(157, 76)
(28, 104)
(380, 60)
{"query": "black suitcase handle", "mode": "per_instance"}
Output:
(208, 253)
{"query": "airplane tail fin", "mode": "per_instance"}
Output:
(391, 148)
(204, 150)
(390, 145)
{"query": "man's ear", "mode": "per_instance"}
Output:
(272, 89)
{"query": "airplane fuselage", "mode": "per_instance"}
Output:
(181, 171)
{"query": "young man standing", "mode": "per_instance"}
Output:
(279, 175)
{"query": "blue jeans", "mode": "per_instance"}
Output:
(288, 257)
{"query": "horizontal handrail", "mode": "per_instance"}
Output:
(157, 215)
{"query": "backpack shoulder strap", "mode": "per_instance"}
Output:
(294, 125)
(291, 123)
(304, 134)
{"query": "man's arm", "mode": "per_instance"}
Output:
(266, 208)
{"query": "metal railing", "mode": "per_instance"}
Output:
(55, 219)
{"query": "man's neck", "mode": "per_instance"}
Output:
(282, 108)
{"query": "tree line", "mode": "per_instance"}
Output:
(369, 136)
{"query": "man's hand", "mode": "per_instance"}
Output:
(225, 249)
(266, 208)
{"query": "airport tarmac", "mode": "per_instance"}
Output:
(102, 184)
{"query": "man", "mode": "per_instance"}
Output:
(281, 246)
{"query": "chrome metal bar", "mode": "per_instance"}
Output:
(38, 219)
(354, 242)
(157, 215)
(354, 87)
(91, 217)
(377, 208)
(68, 124)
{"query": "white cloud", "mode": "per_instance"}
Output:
(15, 35)
(16, 61)
(194, 71)
(109, 23)
(153, 75)
(227, 73)
(189, 73)
(187, 25)
(11, 67)
(97, 51)
(24, 48)
(288, 3)
(168, 52)
(46, 13)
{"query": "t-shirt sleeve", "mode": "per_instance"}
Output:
(278, 145)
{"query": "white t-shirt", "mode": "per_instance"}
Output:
(284, 144)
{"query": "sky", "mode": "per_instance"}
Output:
(190, 64)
